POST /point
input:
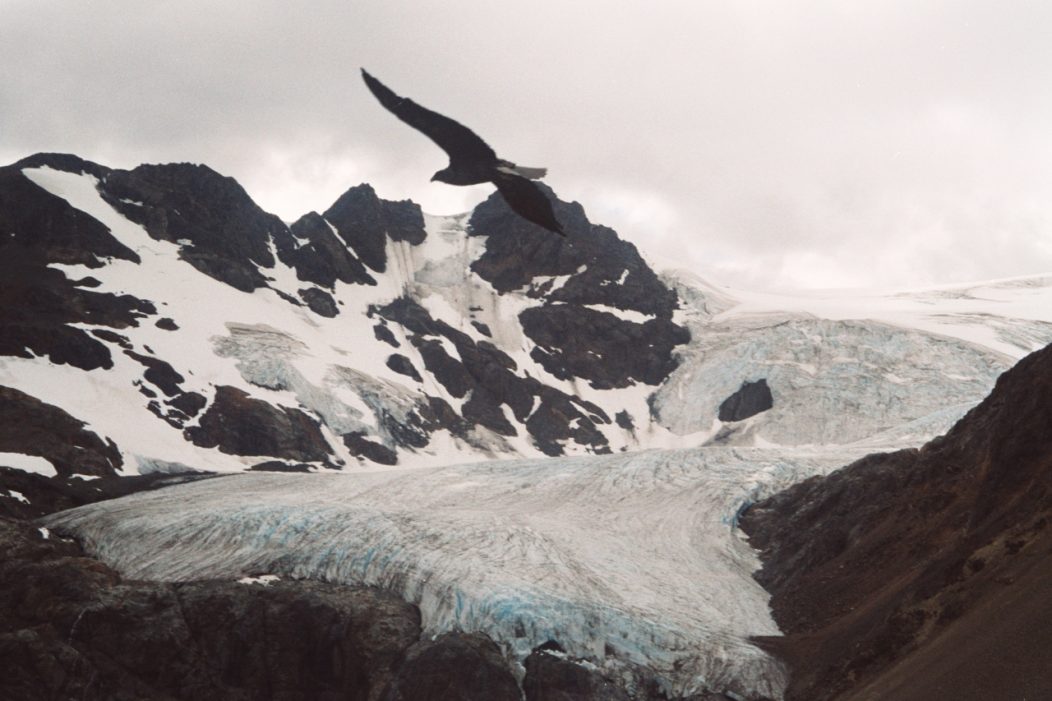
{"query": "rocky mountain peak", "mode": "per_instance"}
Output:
(477, 334)
(365, 223)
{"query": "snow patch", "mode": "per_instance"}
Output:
(626, 314)
(263, 580)
(29, 463)
(17, 496)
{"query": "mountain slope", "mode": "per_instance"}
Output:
(923, 573)
(362, 334)
(188, 329)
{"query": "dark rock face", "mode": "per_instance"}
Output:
(923, 573)
(159, 373)
(46, 495)
(364, 222)
(240, 425)
(37, 303)
(228, 235)
(574, 339)
(324, 258)
(384, 334)
(403, 366)
(280, 466)
(614, 273)
(29, 426)
(34, 219)
(551, 677)
(178, 406)
(454, 667)
(73, 629)
(624, 420)
(751, 399)
(377, 452)
(487, 374)
(320, 302)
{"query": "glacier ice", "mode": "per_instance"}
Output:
(833, 381)
(624, 560)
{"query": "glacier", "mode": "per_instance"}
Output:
(627, 561)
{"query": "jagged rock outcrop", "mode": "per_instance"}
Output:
(923, 573)
(630, 337)
(487, 377)
(38, 304)
(550, 676)
(324, 258)
(453, 667)
(242, 425)
(221, 231)
(575, 341)
(751, 399)
(365, 222)
(32, 427)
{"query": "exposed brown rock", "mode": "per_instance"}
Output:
(553, 677)
(923, 574)
(241, 425)
(32, 427)
(454, 667)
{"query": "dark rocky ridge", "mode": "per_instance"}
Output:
(31, 427)
(324, 259)
(38, 303)
(227, 236)
(926, 573)
(572, 339)
(365, 222)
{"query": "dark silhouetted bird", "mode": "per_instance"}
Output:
(471, 160)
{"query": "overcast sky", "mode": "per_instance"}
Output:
(762, 144)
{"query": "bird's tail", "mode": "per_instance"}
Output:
(531, 173)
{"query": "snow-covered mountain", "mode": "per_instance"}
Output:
(188, 329)
(156, 320)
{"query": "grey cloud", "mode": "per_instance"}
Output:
(777, 143)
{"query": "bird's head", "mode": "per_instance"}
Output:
(441, 176)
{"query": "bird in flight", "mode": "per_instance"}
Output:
(471, 160)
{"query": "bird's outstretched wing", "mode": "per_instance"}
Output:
(528, 201)
(455, 139)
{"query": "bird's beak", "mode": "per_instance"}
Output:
(434, 177)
